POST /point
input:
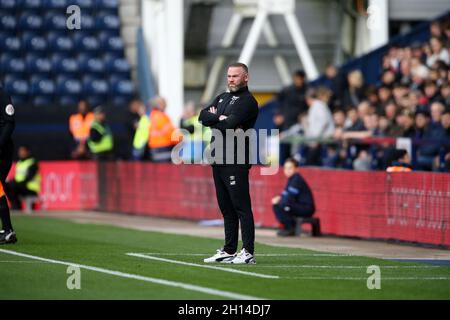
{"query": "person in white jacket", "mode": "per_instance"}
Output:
(319, 123)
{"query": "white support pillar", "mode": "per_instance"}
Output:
(378, 23)
(151, 8)
(172, 81)
(214, 74)
(301, 46)
(280, 62)
(253, 37)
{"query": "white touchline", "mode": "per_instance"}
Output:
(359, 278)
(253, 274)
(347, 267)
(258, 254)
(169, 283)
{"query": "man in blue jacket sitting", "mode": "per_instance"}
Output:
(296, 200)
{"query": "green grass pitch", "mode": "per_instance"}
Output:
(174, 268)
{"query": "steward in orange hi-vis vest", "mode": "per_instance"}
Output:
(80, 125)
(161, 129)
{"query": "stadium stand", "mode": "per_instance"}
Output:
(44, 63)
(399, 83)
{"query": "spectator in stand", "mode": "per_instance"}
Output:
(384, 94)
(445, 93)
(419, 73)
(391, 112)
(355, 92)
(319, 124)
(291, 105)
(437, 52)
(333, 81)
(291, 100)
(445, 121)
(372, 97)
(388, 78)
(436, 30)
(79, 125)
(431, 92)
(432, 133)
(405, 72)
(408, 124)
(401, 161)
(353, 122)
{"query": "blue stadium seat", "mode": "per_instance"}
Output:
(64, 64)
(120, 101)
(60, 42)
(8, 22)
(42, 86)
(15, 86)
(8, 4)
(42, 101)
(54, 21)
(122, 87)
(107, 22)
(108, 4)
(95, 100)
(33, 42)
(4, 35)
(11, 64)
(86, 43)
(85, 4)
(56, 4)
(37, 64)
(95, 65)
(95, 86)
(87, 22)
(68, 86)
(32, 4)
(11, 44)
(68, 101)
(30, 21)
(113, 44)
(117, 65)
(19, 100)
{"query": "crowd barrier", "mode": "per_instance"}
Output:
(412, 207)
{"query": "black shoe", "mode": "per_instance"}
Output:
(286, 233)
(7, 237)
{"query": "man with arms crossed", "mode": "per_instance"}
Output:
(234, 111)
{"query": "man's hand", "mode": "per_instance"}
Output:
(276, 200)
(222, 117)
(213, 110)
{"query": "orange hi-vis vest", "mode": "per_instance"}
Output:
(80, 126)
(161, 129)
(398, 169)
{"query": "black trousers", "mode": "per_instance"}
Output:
(287, 218)
(15, 191)
(6, 156)
(233, 197)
